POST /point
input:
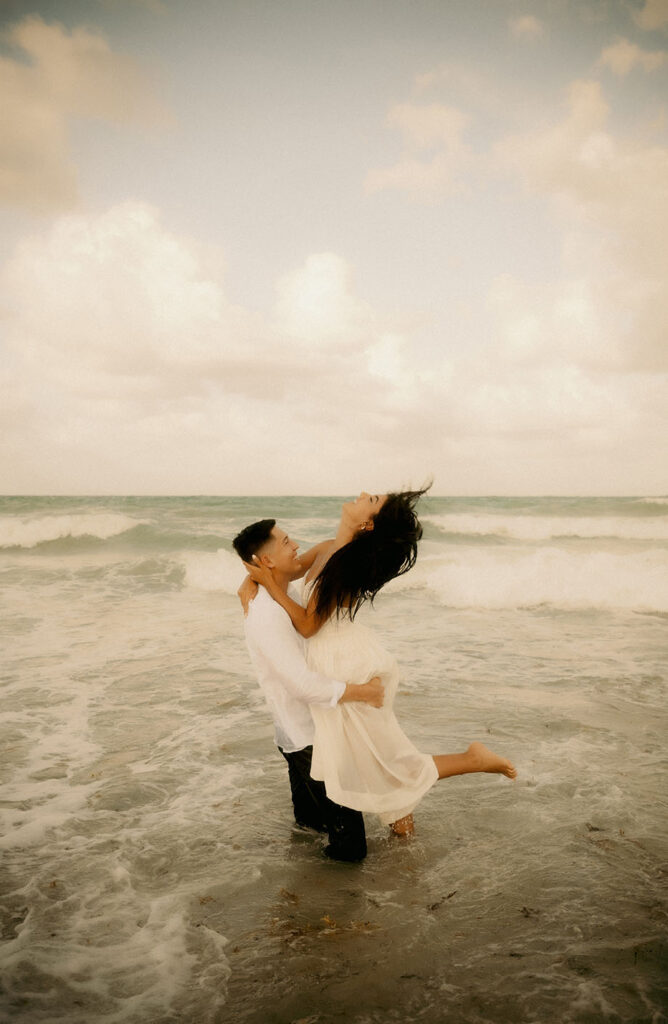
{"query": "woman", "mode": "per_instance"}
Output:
(361, 753)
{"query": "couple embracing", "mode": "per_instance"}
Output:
(329, 684)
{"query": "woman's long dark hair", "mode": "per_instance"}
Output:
(357, 571)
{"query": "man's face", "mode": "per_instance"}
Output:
(281, 553)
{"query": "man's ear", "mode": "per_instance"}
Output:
(265, 560)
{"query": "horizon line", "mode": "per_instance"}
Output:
(341, 495)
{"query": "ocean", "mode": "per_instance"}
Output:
(150, 870)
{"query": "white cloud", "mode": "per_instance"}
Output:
(575, 368)
(463, 84)
(526, 27)
(574, 379)
(316, 304)
(559, 157)
(422, 180)
(653, 14)
(385, 358)
(127, 368)
(430, 126)
(120, 292)
(623, 56)
(611, 197)
(56, 77)
(438, 131)
(132, 371)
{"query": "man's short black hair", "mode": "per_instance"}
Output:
(252, 538)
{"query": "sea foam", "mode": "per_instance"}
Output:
(219, 570)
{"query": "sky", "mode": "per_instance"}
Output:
(318, 246)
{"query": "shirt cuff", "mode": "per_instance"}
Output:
(339, 690)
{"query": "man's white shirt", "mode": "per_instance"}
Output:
(288, 684)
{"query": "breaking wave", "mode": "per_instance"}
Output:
(517, 578)
(17, 533)
(538, 528)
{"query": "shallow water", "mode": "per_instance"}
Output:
(150, 869)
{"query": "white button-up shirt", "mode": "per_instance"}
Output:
(288, 684)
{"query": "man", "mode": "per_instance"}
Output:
(289, 686)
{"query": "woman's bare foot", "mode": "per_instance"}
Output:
(487, 761)
(403, 826)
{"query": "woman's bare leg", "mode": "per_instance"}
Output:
(403, 826)
(478, 758)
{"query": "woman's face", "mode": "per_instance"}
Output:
(364, 508)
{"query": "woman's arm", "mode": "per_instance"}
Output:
(308, 558)
(248, 589)
(305, 620)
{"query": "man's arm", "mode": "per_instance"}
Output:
(274, 636)
(372, 693)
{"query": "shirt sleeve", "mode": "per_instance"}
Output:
(275, 636)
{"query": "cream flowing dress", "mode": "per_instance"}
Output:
(360, 752)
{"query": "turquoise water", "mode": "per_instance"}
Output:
(150, 871)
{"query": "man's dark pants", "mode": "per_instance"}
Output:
(313, 808)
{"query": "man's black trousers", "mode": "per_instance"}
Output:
(314, 809)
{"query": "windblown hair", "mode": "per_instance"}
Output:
(252, 538)
(357, 571)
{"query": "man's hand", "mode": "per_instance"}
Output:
(247, 592)
(372, 693)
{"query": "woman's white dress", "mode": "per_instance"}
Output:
(360, 752)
